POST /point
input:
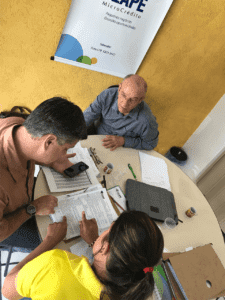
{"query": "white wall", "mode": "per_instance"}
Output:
(207, 143)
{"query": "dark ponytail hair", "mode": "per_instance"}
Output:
(135, 242)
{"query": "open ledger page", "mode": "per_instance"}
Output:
(58, 183)
(96, 204)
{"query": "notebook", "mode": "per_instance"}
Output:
(157, 202)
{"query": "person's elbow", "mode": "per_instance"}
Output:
(147, 146)
(152, 142)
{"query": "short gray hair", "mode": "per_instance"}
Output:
(57, 116)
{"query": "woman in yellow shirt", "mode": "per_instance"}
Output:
(124, 258)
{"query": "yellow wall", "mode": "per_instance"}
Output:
(184, 67)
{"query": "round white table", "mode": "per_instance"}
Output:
(193, 232)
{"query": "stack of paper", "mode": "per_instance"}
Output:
(59, 183)
(154, 171)
(94, 201)
(117, 195)
(82, 154)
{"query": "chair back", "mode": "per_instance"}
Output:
(112, 86)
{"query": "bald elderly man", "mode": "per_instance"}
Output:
(125, 118)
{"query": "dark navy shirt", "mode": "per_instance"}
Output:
(139, 127)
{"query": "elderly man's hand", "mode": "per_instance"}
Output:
(113, 142)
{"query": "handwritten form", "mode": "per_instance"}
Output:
(154, 171)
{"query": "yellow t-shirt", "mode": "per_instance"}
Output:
(58, 275)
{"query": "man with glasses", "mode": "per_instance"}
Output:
(123, 116)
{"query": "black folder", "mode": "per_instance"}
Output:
(157, 202)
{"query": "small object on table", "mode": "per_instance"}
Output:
(169, 223)
(103, 182)
(191, 212)
(94, 156)
(129, 166)
(108, 168)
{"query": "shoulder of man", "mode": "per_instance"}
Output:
(109, 93)
(6, 123)
(10, 121)
(145, 110)
(146, 116)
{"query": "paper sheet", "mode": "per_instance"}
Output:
(154, 171)
(58, 183)
(82, 154)
(82, 248)
(96, 204)
(117, 194)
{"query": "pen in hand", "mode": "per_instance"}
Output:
(129, 166)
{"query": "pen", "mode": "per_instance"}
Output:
(116, 203)
(129, 166)
(104, 181)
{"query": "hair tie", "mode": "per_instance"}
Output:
(148, 269)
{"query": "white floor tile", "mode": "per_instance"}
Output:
(16, 256)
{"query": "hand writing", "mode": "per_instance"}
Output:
(113, 142)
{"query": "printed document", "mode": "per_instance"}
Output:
(59, 183)
(96, 204)
(82, 154)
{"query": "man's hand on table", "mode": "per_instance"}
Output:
(113, 142)
(56, 232)
(45, 205)
(63, 163)
(88, 229)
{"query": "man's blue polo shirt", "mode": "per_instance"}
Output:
(139, 127)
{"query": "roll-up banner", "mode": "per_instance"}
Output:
(110, 36)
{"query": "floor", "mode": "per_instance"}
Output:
(16, 257)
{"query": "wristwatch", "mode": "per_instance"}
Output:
(31, 209)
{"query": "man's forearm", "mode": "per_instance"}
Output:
(11, 222)
(137, 143)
